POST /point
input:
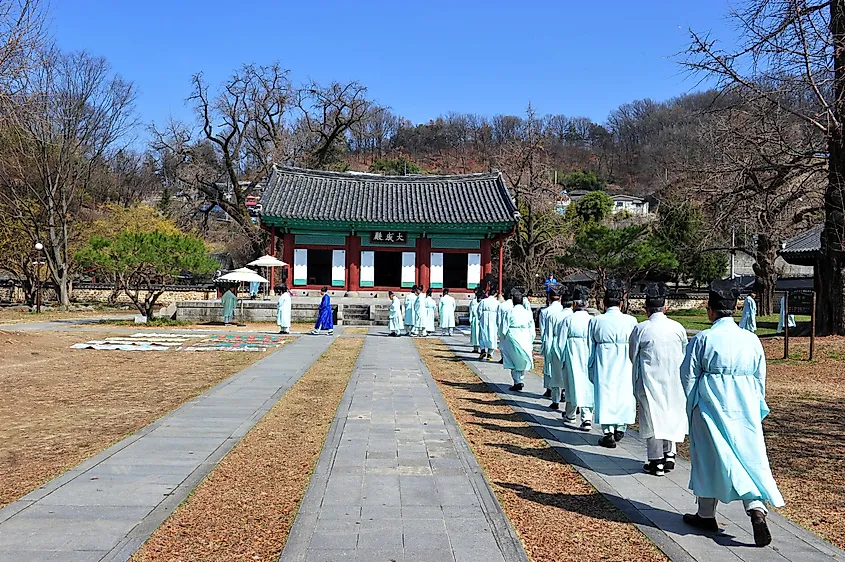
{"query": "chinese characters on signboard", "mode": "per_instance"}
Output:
(388, 237)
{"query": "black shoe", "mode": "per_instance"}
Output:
(704, 523)
(762, 535)
(618, 435)
(655, 468)
(554, 406)
(669, 461)
(548, 393)
(482, 357)
(586, 426)
(502, 361)
(516, 387)
(607, 441)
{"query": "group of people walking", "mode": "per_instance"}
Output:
(416, 317)
(601, 367)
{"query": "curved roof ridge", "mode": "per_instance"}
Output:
(372, 176)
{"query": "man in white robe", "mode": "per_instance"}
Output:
(610, 367)
(488, 331)
(410, 320)
(749, 313)
(573, 347)
(283, 307)
(395, 324)
(520, 333)
(657, 349)
(556, 315)
(419, 312)
(783, 319)
(447, 313)
(724, 378)
(541, 325)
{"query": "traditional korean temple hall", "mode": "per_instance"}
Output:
(356, 232)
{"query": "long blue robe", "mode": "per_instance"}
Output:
(325, 320)
(572, 345)
(749, 315)
(410, 319)
(395, 323)
(784, 321)
(420, 310)
(447, 312)
(541, 324)
(610, 367)
(229, 302)
(488, 331)
(473, 322)
(502, 319)
(553, 376)
(724, 378)
(518, 354)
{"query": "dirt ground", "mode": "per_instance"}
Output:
(804, 432)
(245, 508)
(10, 317)
(59, 406)
(558, 515)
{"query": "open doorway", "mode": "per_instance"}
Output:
(455, 271)
(387, 269)
(320, 267)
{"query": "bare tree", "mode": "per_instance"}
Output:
(71, 114)
(796, 49)
(23, 35)
(242, 130)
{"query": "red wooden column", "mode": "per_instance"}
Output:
(486, 258)
(287, 255)
(271, 251)
(353, 263)
(424, 261)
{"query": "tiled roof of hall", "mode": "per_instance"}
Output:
(462, 201)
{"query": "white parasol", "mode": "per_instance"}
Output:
(244, 274)
(267, 261)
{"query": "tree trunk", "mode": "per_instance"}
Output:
(830, 269)
(764, 269)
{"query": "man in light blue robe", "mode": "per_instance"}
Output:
(430, 307)
(410, 319)
(394, 323)
(283, 308)
(572, 344)
(419, 312)
(783, 319)
(473, 320)
(749, 313)
(554, 376)
(229, 302)
(325, 316)
(447, 312)
(724, 378)
(254, 288)
(488, 331)
(611, 368)
(502, 313)
(520, 332)
(541, 325)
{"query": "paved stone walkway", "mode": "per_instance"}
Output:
(106, 507)
(654, 504)
(396, 480)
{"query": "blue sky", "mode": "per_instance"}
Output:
(422, 59)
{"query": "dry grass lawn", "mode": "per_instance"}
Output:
(59, 406)
(245, 508)
(559, 516)
(10, 317)
(804, 433)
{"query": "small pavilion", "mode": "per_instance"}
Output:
(353, 231)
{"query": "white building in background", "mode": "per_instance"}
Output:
(621, 203)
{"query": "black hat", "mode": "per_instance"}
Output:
(553, 290)
(565, 293)
(580, 293)
(655, 294)
(723, 294)
(614, 289)
(516, 293)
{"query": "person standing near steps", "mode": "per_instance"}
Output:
(394, 324)
(657, 349)
(410, 319)
(447, 313)
(283, 308)
(325, 318)
(724, 378)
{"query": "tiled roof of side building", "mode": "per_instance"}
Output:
(808, 241)
(300, 194)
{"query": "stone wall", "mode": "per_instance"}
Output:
(86, 295)
(637, 306)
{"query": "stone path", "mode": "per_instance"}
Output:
(654, 504)
(396, 480)
(106, 507)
